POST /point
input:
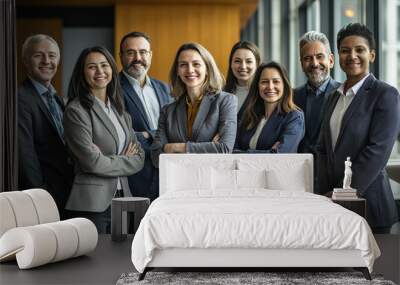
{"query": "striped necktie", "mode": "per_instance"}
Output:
(57, 117)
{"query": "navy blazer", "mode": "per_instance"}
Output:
(368, 131)
(43, 157)
(308, 143)
(145, 182)
(287, 128)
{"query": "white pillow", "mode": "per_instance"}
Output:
(223, 179)
(251, 178)
(188, 177)
(291, 179)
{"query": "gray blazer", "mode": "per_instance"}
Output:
(93, 142)
(216, 115)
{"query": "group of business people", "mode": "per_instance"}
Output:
(116, 125)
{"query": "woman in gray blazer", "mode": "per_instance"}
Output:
(203, 117)
(100, 137)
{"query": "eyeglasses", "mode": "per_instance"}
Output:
(134, 53)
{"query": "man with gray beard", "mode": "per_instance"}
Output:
(144, 97)
(316, 61)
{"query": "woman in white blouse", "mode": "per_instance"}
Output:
(99, 134)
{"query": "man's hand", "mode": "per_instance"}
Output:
(146, 135)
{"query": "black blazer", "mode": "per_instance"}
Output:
(369, 128)
(43, 158)
(145, 182)
(288, 129)
(308, 143)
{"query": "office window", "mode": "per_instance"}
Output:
(398, 22)
(313, 16)
(390, 63)
(345, 12)
(390, 42)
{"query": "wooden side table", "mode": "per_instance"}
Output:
(358, 206)
(119, 209)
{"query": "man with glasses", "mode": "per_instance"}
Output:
(144, 97)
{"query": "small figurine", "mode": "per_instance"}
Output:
(347, 174)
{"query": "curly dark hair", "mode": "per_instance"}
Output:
(356, 29)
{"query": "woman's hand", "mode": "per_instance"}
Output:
(132, 149)
(216, 138)
(175, 148)
(274, 148)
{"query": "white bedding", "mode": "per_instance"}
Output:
(252, 218)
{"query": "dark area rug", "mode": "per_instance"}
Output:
(243, 278)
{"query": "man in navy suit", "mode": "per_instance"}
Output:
(316, 61)
(144, 97)
(43, 158)
(361, 121)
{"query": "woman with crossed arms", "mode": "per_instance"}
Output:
(100, 136)
(203, 117)
(271, 122)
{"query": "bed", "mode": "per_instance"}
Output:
(247, 210)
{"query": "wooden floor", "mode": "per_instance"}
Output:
(110, 259)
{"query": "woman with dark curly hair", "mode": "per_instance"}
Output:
(362, 121)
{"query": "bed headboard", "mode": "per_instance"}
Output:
(281, 171)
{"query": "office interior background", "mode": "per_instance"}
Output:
(274, 25)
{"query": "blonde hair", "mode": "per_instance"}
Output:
(214, 80)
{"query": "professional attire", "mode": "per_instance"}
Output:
(311, 101)
(94, 137)
(241, 92)
(363, 125)
(43, 156)
(216, 114)
(144, 105)
(285, 128)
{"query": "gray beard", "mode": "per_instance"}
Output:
(137, 74)
(317, 80)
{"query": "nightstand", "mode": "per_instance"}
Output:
(358, 205)
(119, 210)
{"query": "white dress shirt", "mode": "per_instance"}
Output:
(342, 104)
(120, 132)
(148, 97)
(257, 133)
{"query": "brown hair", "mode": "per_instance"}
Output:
(214, 79)
(255, 109)
(231, 80)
